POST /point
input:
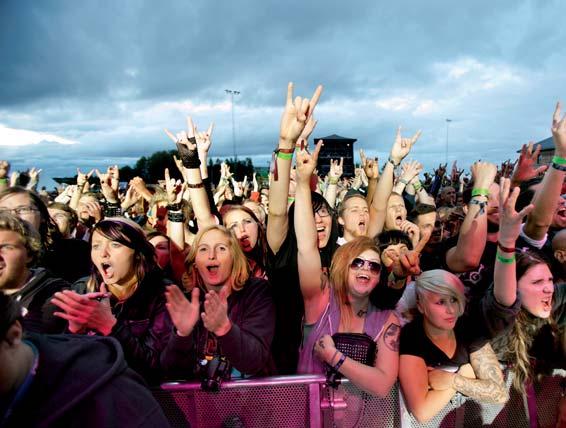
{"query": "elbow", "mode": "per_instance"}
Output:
(421, 415)
(501, 396)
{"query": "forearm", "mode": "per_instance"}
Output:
(279, 188)
(373, 380)
(74, 202)
(203, 156)
(379, 203)
(199, 197)
(305, 227)
(504, 278)
(544, 201)
(330, 194)
(471, 240)
(485, 390)
(372, 184)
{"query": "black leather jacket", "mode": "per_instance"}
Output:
(143, 326)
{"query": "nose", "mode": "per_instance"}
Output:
(212, 254)
(241, 227)
(451, 308)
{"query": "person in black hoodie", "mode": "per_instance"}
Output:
(123, 297)
(71, 381)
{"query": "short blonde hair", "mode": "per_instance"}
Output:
(441, 282)
(240, 266)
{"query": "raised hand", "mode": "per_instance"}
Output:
(296, 115)
(82, 179)
(402, 146)
(174, 188)
(325, 349)
(34, 174)
(441, 170)
(107, 185)
(4, 168)
(255, 184)
(186, 138)
(306, 163)
(336, 169)
(510, 220)
(215, 315)
(525, 168)
(183, 313)
(370, 166)
(131, 197)
(559, 132)
(307, 131)
(412, 230)
(203, 139)
(410, 170)
(483, 174)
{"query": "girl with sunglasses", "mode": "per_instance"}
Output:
(341, 304)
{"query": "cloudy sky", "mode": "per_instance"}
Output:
(92, 83)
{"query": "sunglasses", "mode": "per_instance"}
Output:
(359, 263)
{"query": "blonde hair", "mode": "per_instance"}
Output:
(29, 237)
(441, 282)
(240, 266)
(339, 270)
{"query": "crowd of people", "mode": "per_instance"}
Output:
(441, 279)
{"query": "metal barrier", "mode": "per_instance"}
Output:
(305, 401)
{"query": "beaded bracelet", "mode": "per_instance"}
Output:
(480, 192)
(175, 207)
(395, 165)
(559, 160)
(340, 362)
(505, 260)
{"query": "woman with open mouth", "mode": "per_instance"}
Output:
(250, 233)
(228, 317)
(124, 297)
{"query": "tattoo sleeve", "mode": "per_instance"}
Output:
(489, 386)
(391, 337)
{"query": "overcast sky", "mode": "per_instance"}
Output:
(93, 83)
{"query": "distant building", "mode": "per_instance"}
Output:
(334, 147)
(546, 152)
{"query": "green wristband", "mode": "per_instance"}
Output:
(505, 260)
(3, 180)
(286, 156)
(480, 192)
(559, 160)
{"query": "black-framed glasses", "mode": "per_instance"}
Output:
(322, 212)
(18, 210)
(358, 263)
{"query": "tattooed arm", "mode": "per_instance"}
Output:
(489, 386)
(377, 380)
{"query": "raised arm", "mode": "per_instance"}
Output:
(313, 285)
(467, 253)
(296, 116)
(547, 195)
(82, 179)
(188, 152)
(371, 168)
(505, 280)
(378, 208)
(334, 174)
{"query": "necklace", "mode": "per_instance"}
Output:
(362, 313)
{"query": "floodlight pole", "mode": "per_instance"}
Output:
(232, 93)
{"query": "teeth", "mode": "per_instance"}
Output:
(320, 229)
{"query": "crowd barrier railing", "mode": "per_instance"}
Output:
(305, 401)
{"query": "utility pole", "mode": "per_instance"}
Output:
(232, 92)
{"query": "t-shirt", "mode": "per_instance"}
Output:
(414, 341)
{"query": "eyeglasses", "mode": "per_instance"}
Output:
(322, 212)
(18, 210)
(359, 263)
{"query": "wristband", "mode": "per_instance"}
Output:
(505, 260)
(175, 207)
(395, 165)
(286, 156)
(195, 186)
(335, 353)
(175, 217)
(340, 362)
(417, 186)
(481, 204)
(559, 167)
(276, 152)
(559, 160)
(405, 182)
(333, 180)
(3, 180)
(505, 249)
(480, 192)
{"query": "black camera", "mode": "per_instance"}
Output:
(212, 371)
